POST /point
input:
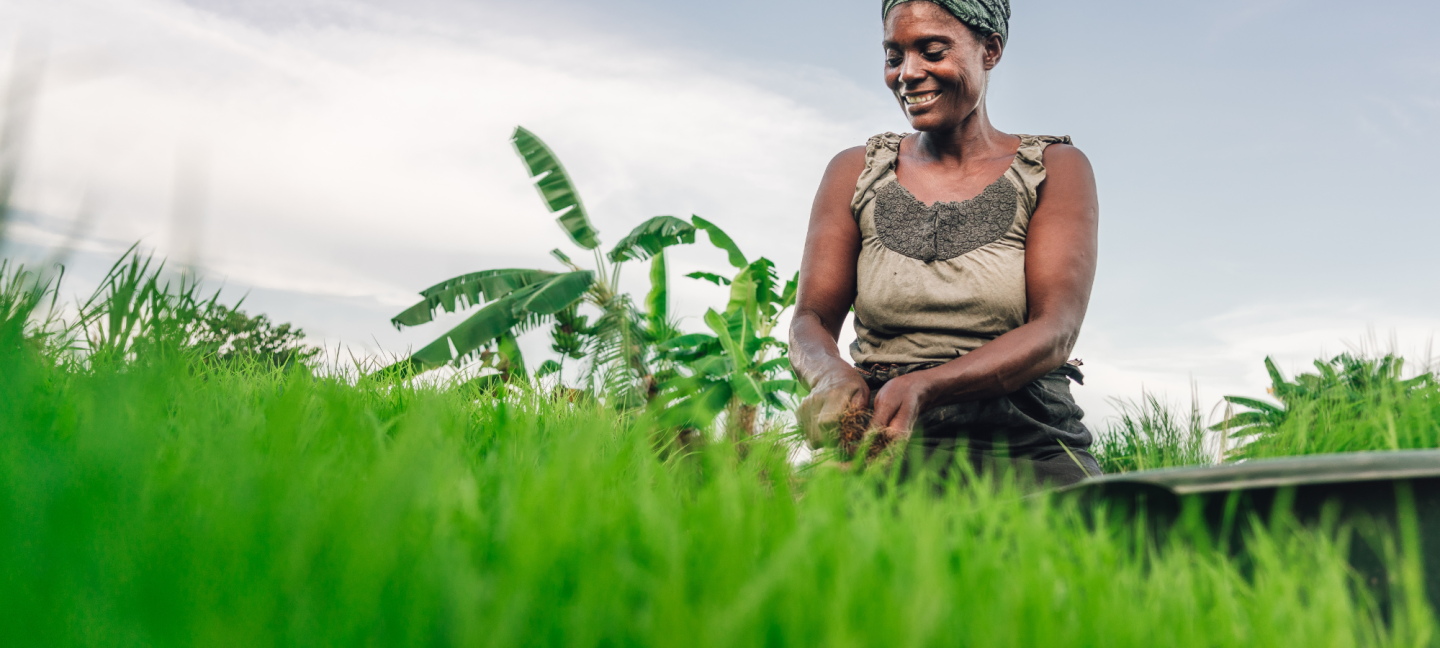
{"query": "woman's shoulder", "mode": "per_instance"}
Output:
(1042, 153)
(1060, 155)
(1037, 147)
(877, 151)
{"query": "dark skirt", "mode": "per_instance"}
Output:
(1035, 431)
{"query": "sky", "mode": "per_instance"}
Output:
(1265, 168)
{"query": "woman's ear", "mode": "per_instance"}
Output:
(994, 49)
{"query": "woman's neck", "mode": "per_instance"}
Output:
(974, 140)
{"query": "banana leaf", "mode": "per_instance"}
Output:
(715, 366)
(778, 364)
(555, 293)
(733, 348)
(547, 368)
(514, 361)
(479, 329)
(747, 389)
(710, 277)
(501, 316)
(651, 237)
(657, 303)
(742, 295)
(688, 340)
(1254, 404)
(555, 188)
(787, 296)
(692, 402)
(720, 239)
(1241, 420)
(468, 290)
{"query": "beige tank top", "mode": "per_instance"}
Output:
(935, 282)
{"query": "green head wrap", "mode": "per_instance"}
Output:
(991, 16)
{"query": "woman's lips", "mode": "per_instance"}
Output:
(913, 100)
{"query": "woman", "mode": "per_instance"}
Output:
(967, 254)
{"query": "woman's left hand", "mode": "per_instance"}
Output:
(899, 403)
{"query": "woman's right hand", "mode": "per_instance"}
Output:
(830, 396)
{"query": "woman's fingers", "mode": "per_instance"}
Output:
(885, 407)
(861, 399)
(904, 421)
(896, 408)
(820, 413)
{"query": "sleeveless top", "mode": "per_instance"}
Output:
(935, 282)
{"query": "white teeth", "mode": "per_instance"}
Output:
(915, 99)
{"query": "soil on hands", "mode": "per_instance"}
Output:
(857, 433)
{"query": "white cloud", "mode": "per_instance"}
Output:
(371, 160)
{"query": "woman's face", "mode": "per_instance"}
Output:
(936, 66)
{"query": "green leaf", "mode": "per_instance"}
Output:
(501, 316)
(721, 240)
(787, 297)
(762, 271)
(555, 188)
(651, 237)
(732, 347)
(657, 302)
(717, 366)
(710, 277)
(1241, 420)
(1255, 404)
(546, 368)
(514, 360)
(783, 386)
(781, 363)
(747, 389)
(555, 294)
(695, 403)
(478, 330)
(468, 290)
(742, 295)
(487, 383)
(687, 340)
(562, 257)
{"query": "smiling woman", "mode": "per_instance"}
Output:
(967, 255)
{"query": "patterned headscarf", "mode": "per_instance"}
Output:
(986, 15)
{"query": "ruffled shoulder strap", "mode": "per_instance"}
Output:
(1029, 164)
(880, 155)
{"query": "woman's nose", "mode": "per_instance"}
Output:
(912, 70)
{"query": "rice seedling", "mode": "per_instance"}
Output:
(182, 503)
(1352, 403)
(1149, 434)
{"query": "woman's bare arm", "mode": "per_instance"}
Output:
(1060, 256)
(826, 293)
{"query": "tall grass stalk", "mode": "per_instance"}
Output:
(1150, 434)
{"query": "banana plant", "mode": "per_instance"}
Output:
(738, 368)
(618, 343)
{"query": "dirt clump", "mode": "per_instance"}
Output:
(856, 433)
(854, 423)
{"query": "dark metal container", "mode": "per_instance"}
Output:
(1367, 490)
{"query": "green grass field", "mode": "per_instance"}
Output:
(177, 502)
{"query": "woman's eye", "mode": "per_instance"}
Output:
(936, 55)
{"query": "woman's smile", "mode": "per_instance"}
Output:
(917, 99)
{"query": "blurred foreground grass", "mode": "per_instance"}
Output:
(176, 502)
